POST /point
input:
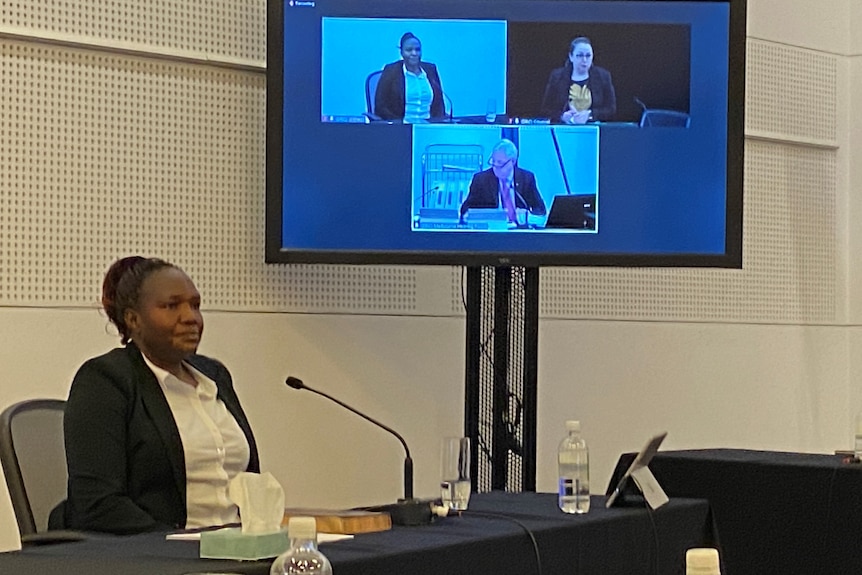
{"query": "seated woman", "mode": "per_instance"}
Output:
(579, 92)
(409, 89)
(154, 432)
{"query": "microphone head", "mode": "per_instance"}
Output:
(294, 382)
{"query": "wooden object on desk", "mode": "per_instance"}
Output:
(348, 522)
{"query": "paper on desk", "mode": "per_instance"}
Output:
(196, 536)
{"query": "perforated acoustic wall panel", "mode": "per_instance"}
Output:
(789, 262)
(108, 152)
(226, 30)
(787, 101)
(117, 137)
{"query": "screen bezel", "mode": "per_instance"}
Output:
(731, 258)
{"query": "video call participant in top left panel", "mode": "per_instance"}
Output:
(409, 89)
(408, 71)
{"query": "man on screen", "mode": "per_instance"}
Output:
(506, 186)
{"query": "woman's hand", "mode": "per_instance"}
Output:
(575, 117)
(581, 117)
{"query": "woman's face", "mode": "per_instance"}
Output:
(581, 57)
(167, 324)
(411, 51)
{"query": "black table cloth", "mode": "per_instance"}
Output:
(490, 538)
(783, 513)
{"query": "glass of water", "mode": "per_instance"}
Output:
(455, 473)
(491, 111)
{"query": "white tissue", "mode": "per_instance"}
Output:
(260, 499)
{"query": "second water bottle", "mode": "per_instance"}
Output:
(573, 458)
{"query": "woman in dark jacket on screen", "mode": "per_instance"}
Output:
(579, 92)
(409, 89)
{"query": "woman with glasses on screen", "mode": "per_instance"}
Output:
(409, 89)
(579, 92)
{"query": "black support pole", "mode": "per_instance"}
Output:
(501, 376)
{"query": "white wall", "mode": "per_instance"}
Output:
(747, 386)
(824, 25)
(759, 384)
(854, 171)
(854, 207)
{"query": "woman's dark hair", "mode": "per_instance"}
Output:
(575, 42)
(407, 36)
(121, 288)
(579, 40)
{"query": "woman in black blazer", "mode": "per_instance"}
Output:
(125, 453)
(579, 92)
(391, 95)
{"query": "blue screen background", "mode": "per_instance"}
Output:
(347, 187)
(354, 47)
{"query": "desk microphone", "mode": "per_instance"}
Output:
(407, 511)
(527, 208)
(451, 106)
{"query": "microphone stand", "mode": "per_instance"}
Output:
(406, 511)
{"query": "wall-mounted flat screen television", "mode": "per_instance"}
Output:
(505, 132)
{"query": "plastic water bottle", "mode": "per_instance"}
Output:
(702, 561)
(573, 457)
(303, 555)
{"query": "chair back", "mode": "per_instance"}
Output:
(371, 91)
(33, 455)
(664, 119)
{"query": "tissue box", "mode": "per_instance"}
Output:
(230, 543)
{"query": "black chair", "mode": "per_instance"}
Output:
(370, 92)
(664, 119)
(33, 456)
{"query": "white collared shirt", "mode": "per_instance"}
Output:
(417, 96)
(215, 447)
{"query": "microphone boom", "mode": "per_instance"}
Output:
(408, 511)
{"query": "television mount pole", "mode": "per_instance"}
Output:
(501, 376)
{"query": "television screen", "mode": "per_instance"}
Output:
(505, 132)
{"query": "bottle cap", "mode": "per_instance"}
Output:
(302, 528)
(573, 425)
(702, 561)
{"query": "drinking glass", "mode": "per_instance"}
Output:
(491, 111)
(455, 473)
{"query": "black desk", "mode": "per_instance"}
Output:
(787, 513)
(603, 542)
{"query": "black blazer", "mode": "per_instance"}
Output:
(556, 99)
(125, 457)
(485, 192)
(389, 98)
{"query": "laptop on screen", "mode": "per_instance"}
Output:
(572, 211)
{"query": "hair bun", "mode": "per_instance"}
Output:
(113, 276)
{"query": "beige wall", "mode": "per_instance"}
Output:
(824, 26)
